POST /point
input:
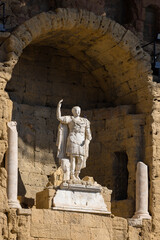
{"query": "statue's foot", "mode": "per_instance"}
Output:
(77, 177)
(73, 177)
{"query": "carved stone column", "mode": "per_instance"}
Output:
(142, 192)
(12, 165)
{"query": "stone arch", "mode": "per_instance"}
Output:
(113, 48)
(107, 50)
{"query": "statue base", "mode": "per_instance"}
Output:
(76, 196)
(80, 198)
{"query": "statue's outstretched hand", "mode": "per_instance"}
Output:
(60, 103)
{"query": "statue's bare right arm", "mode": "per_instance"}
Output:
(59, 117)
(64, 119)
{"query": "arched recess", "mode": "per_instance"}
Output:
(151, 23)
(114, 60)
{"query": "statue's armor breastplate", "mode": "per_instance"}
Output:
(77, 131)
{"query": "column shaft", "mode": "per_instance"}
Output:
(142, 191)
(12, 165)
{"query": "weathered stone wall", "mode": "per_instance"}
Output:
(44, 75)
(48, 225)
(108, 51)
(3, 204)
(132, 14)
(113, 129)
(18, 11)
(116, 131)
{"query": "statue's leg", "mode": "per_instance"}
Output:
(73, 164)
(78, 166)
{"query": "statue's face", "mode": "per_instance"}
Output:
(76, 111)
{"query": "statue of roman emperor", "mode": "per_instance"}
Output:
(73, 140)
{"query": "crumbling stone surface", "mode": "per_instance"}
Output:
(96, 6)
(3, 194)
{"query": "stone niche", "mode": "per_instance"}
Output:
(40, 79)
(43, 76)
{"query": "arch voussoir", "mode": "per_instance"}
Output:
(23, 34)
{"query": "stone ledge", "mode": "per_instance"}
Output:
(24, 211)
(83, 210)
(81, 187)
(137, 222)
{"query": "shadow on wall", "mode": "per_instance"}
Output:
(21, 186)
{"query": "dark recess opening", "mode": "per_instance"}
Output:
(120, 176)
(151, 23)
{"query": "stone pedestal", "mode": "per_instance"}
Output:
(81, 198)
(141, 192)
(74, 197)
(12, 166)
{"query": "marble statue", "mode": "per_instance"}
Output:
(74, 136)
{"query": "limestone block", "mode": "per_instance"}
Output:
(134, 233)
(101, 233)
(117, 31)
(79, 233)
(95, 221)
(137, 222)
(37, 179)
(31, 190)
(3, 226)
(56, 178)
(3, 147)
(23, 227)
(106, 193)
(119, 228)
(37, 216)
(3, 83)
(5, 72)
(73, 218)
(45, 20)
(24, 212)
(123, 208)
(104, 25)
(33, 26)
(41, 230)
(56, 217)
(3, 177)
(24, 34)
(94, 22)
(44, 199)
(44, 156)
(89, 179)
(4, 200)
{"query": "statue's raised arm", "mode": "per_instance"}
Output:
(59, 117)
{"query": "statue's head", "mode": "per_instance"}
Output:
(76, 111)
